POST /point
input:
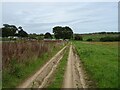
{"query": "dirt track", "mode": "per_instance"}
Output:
(41, 77)
(74, 77)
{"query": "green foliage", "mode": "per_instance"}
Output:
(48, 36)
(36, 36)
(62, 32)
(108, 38)
(60, 71)
(32, 36)
(78, 37)
(101, 62)
(22, 33)
(96, 37)
(89, 39)
(8, 30)
(11, 30)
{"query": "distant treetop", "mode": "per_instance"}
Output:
(63, 32)
(12, 30)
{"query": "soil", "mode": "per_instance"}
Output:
(75, 75)
(41, 77)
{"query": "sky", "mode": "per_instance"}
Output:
(82, 17)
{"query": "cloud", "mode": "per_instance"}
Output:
(82, 17)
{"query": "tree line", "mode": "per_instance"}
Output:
(59, 32)
(101, 33)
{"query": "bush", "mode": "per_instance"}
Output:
(105, 39)
(89, 39)
(77, 37)
(48, 36)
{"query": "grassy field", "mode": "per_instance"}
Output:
(59, 74)
(33, 55)
(101, 62)
(96, 37)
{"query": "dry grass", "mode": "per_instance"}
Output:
(23, 51)
(23, 58)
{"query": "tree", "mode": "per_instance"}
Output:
(22, 33)
(32, 36)
(78, 37)
(48, 36)
(58, 32)
(68, 33)
(8, 30)
(63, 32)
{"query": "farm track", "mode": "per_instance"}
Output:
(74, 75)
(42, 76)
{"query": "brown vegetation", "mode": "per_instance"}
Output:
(23, 51)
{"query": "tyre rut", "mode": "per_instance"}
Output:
(41, 77)
(74, 75)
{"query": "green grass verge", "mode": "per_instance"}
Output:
(101, 62)
(11, 78)
(59, 74)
